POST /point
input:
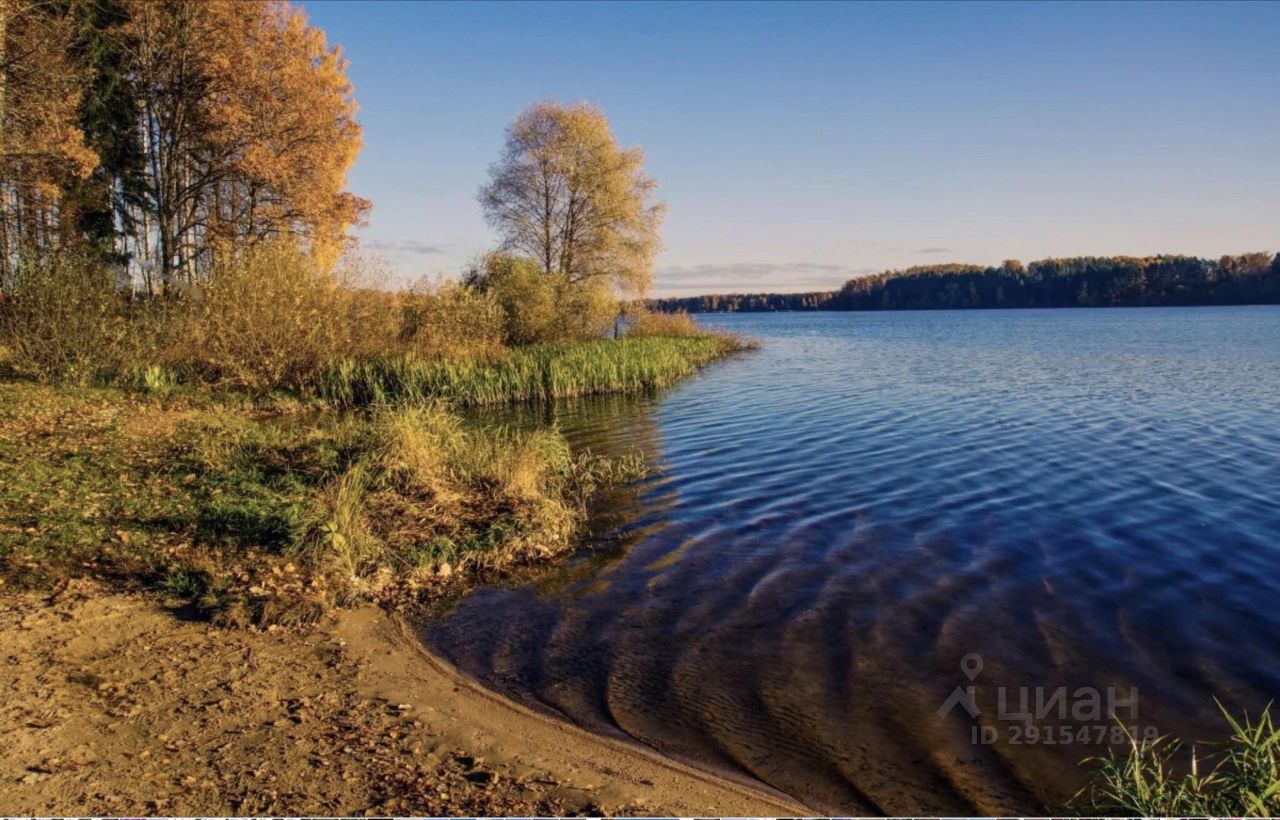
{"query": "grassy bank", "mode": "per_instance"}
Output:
(133, 442)
(255, 519)
(536, 373)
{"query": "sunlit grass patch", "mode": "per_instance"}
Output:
(428, 498)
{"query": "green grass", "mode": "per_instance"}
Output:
(1240, 778)
(536, 373)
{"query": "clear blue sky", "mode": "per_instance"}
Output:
(800, 144)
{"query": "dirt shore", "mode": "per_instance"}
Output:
(119, 706)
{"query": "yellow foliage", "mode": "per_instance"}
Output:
(449, 319)
(42, 148)
(566, 195)
(268, 317)
(544, 307)
(646, 323)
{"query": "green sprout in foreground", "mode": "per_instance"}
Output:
(1241, 779)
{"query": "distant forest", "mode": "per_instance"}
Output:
(1083, 281)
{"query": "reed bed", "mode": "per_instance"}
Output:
(534, 373)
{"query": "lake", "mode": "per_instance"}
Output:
(879, 542)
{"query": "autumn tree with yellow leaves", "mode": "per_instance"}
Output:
(565, 194)
(167, 130)
(41, 146)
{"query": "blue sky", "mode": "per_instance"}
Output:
(797, 145)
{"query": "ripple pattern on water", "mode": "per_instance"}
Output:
(1082, 497)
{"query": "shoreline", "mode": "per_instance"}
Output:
(757, 795)
(122, 706)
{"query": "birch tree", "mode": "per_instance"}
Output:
(565, 194)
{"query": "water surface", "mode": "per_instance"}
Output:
(1078, 498)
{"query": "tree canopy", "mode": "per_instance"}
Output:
(566, 195)
(154, 132)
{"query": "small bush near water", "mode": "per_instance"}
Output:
(1241, 778)
(426, 494)
(647, 324)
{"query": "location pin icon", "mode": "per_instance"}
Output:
(971, 665)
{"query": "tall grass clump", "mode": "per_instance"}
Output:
(1158, 778)
(427, 497)
(534, 373)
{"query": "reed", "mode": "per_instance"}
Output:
(1155, 778)
(534, 373)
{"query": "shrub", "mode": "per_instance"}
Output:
(645, 323)
(588, 311)
(269, 317)
(449, 319)
(63, 321)
(542, 307)
(526, 297)
(265, 318)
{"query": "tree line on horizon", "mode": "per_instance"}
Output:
(1084, 281)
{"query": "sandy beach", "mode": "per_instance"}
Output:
(120, 706)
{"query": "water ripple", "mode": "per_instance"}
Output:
(1085, 498)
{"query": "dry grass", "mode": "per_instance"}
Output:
(275, 519)
(647, 324)
(427, 498)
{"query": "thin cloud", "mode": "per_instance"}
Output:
(412, 247)
(760, 270)
(756, 277)
(933, 250)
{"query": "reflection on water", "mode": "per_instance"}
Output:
(1083, 499)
